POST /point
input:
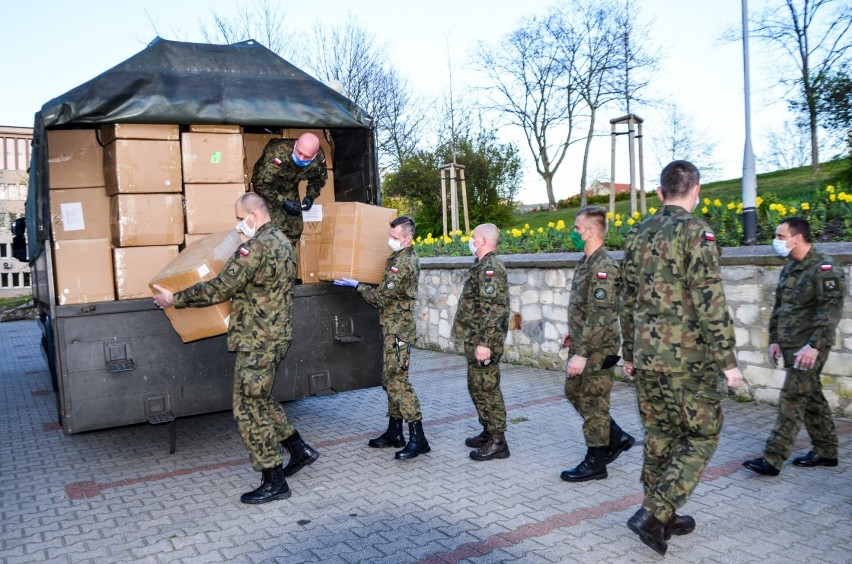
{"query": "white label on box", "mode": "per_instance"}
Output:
(203, 271)
(72, 216)
(313, 214)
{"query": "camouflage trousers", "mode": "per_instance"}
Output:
(483, 383)
(260, 419)
(402, 401)
(682, 416)
(801, 401)
(292, 226)
(589, 394)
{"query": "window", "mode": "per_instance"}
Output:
(4, 280)
(16, 278)
(3, 250)
(27, 279)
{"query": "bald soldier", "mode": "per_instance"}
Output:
(481, 323)
(276, 176)
(258, 280)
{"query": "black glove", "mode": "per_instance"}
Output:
(307, 203)
(292, 207)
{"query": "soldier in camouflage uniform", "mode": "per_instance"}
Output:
(259, 281)
(394, 298)
(593, 341)
(808, 307)
(276, 177)
(481, 323)
(677, 337)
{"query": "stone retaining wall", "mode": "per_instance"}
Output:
(540, 287)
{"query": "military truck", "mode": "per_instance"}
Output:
(118, 363)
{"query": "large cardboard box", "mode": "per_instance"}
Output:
(111, 132)
(135, 266)
(308, 254)
(200, 262)
(142, 220)
(83, 271)
(213, 158)
(253, 144)
(354, 241)
(220, 128)
(133, 166)
(210, 207)
(326, 193)
(326, 142)
(80, 213)
(75, 159)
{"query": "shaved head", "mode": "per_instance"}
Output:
(307, 146)
(489, 231)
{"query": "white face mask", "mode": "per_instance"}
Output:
(780, 247)
(471, 246)
(394, 244)
(247, 231)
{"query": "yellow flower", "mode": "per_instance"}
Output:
(526, 226)
(731, 205)
(540, 230)
(805, 206)
(516, 233)
(705, 210)
(717, 202)
(609, 215)
(618, 223)
(829, 189)
(636, 215)
(551, 224)
(832, 197)
(782, 211)
(465, 239)
(652, 211)
(618, 217)
(560, 225)
(448, 240)
(418, 238)
(759, 201)
(706, 201)
(631, 221)
(458, 232)
(792, 211)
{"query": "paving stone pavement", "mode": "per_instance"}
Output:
(118, 495)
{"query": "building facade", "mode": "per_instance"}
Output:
(15, 154)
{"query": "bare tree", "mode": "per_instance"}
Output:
(638, 56)
(528, 86)
(262, 20)
(814, 34)
(680, 139)
(788, 147)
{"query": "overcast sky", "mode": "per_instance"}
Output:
(51, 46)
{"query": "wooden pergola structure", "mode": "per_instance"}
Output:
(634, 141)
(452, 174)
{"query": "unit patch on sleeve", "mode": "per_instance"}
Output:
(600, 294)
(489, 289)
(234, 269)
(390, 285)
(830, 284)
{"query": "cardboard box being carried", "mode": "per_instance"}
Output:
(210, 207)
(213, 158)
(354, 241)
(142, 220)
(75, 159)
(134, 266)
(81, 213)
(83, 271)
(133, 166)
(200, 262)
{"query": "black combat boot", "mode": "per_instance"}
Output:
(619, 441)
(679, 525)
(593, 466)
(417, 443)
(301, 454)
(478, 440)
(495, 447)
(272, 488)
(650, 530)
(393, 437)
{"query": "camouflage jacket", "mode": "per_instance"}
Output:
(674, 316)
(259, 280)
(808, 303)
(276, 177)
(482, 317)
(394, 297)
(593, 312)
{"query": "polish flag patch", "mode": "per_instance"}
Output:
(244, 251)
(602, 275)
(489, 273)
(826, 267)
(394, 269)
(709, 236)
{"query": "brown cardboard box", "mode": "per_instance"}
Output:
(326, 193)
(222, 128)
(199, 262)
(210, 207)
(354, 241)
(134, 266)
(165, 132)
(212, 158)
(253, 144)
(308, 254)
(190, 238)
(142, 220)
(75, 159)
(81, 213)
(83, 271)
(133, 166)
(326, 143)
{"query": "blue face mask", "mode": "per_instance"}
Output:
(300, 162)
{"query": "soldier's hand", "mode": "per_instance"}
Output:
(774, 353)
(292, 207)
(566, 341)
(628, 368)
(733, 377)
(163, 298)
(806, 358)
(347, 282)
(482, 353)
(307, 203)
(576, 365)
